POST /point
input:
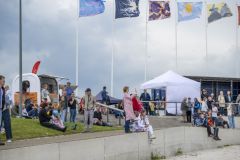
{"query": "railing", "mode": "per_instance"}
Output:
(114, 109)
(163, 105)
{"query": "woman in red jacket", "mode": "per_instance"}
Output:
(137, 105)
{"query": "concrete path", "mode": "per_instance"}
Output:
(158, 123)
(225, 153)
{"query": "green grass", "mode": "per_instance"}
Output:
(30, 128)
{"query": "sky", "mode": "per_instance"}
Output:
(49, 35)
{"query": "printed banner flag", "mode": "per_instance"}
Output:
(91, 7)
(159, 10)
(217, 11)
(189, 10)
(238, 15)
(127, 8)
(36, 67)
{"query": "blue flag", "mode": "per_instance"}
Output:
(91, 7)
(127, 8)
(189, 10)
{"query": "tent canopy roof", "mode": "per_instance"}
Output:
(169, 78)
(112, 99)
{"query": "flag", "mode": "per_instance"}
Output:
(189, 10)
(127, 8)
(36, 67)
(90, 7)
(238, 15)
(159, 10)
(217, 11)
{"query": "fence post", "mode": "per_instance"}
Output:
(176, 108)
(119, 120)
(107, 115)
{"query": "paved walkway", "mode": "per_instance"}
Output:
(225, 153)
(157, 123)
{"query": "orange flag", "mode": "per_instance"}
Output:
(36, 67)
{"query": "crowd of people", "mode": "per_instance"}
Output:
(209, 111)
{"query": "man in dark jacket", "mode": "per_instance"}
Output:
(105, 97)
(145, 97)
(44, 119)
(229, 98)
(2, 100)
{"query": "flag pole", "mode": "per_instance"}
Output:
(146, 45)
(176, 37)
(77, 49)
(206, 34)
(237, 26)
(112, 54)
(20, 59)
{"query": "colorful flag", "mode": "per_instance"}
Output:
(91, 7)
(238, 15)
(189, 10)
(127, 8)
(217, 11)
(36, 67)
(159, 10)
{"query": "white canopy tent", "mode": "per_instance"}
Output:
(177, 87)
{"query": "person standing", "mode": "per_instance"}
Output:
(197, 105)
(238, 105)
(64, 106)
(6, 116)
(72, 104)
(184, 108)
(221, 101)
(230, 115)
(128, 109)
(145, 97)
(189, 110)
(209, 102)
(105, 97)
(45, 93)
(69, 90)
(2, 101)
(89, 103)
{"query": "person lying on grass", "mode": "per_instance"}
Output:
(45, 117)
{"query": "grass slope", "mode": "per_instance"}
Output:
(30, 128)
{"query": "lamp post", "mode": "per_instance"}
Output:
(20, 58)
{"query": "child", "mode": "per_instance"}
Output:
(145, 125)
(152, 108)
(56, 117)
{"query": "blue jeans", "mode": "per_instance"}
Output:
(127, 126)
(73, 113)
(33, 113)
(231, 121)
(222, 110)
(7, 123)
(238, 109)
(64, 115)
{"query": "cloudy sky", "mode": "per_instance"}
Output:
(49, 35)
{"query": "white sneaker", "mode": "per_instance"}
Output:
(9, 141)
(152, 136)
(2, 131)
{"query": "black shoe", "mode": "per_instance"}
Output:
(218, 139)
(64, 130)
(1, 143)
(74, 127)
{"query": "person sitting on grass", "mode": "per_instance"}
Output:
(56, 116)
(45, 118)
(97, 118)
